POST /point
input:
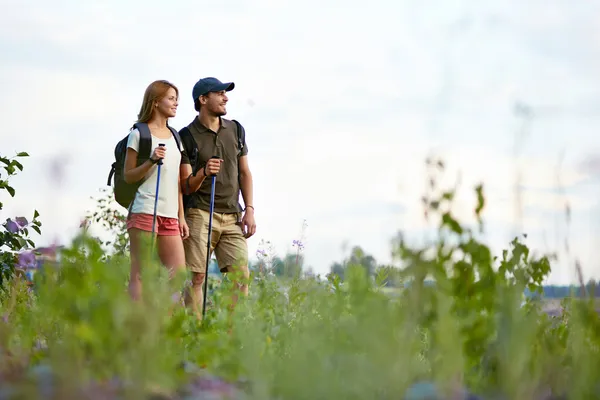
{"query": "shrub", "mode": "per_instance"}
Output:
(14, 238)
(79, 333)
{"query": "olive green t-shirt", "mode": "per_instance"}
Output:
(224, 144)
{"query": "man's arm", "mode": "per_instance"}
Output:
(189, 183)
(246, 184)
(248, 221)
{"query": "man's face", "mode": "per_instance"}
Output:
(215, 103)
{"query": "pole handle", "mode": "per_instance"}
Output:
(216, 158)
(160, 161)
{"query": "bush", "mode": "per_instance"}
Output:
(79, 335)
(14, 238)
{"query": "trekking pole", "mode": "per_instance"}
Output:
(208, 240)
(160, 161)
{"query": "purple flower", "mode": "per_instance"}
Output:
(22, 221)
(298, 244)
(261, 252)
(12, 226)
(27, 260)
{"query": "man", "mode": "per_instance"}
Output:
(208, 135)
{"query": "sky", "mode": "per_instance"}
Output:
(342, 103)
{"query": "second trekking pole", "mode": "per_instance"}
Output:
(160, 161)
(208, 239)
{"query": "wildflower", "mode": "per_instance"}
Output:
(84, 223)
(21, 221)
(27, 259)
(12, 226)
(261, 252)
(298, 243)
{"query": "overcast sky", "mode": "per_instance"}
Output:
(342, 101)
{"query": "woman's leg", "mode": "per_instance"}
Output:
(171, 254)
(170, 249)
(137, 244)
(139, 228)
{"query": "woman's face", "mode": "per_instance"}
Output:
(167, 106)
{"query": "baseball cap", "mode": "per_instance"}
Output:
(206, 85)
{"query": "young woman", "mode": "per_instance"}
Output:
(159, 104)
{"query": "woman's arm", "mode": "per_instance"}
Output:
(181, 211)
(132, 173)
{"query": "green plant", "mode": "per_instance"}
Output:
(458, 319)
(112, 221)
(14, 238)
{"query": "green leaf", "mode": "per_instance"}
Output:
(11, 191)
(37, 229)
(37, 214)
(23, 154)
(18, 164)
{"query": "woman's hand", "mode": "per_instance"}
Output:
(158, 153)
(184, 230)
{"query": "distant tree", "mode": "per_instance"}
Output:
(593, 288)
(338, 269)
(288, 267)
(357, 257)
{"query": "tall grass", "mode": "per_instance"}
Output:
(78, 335)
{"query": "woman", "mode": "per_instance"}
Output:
(159, 104)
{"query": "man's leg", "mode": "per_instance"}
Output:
(195, 254)
(232, 254)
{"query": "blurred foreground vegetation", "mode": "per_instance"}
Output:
(75, 333)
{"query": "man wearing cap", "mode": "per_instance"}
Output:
(214, 135)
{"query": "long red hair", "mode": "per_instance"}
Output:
(154, 93)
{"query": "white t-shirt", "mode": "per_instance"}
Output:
(168, 196)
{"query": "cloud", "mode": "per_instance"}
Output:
(591, 165)
(341, 106)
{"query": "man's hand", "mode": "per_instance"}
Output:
(213, 166)
(184, 230)
(248, 223)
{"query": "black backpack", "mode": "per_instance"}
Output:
(125, 192)
(191, 148)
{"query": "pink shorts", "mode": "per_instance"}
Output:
(164, 226)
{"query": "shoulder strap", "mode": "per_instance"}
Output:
(241, 133)
(145, 141)
(176, 136)
(190, 146)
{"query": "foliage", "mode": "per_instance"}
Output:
(113, 221)
(357, 257)
(307, 337)
(14, 238)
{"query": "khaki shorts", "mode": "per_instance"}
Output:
(227, 241)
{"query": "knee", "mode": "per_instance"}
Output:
(245, 272)
(240, 273)
(197, 279)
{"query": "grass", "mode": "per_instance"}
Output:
(77, 335)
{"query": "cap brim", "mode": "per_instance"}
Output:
(226, 87)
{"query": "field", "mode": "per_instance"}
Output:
(74, 333)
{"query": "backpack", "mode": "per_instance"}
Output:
(125, 192)
(190, 144)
